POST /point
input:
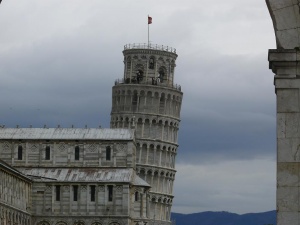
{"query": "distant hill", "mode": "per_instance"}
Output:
(225, 218)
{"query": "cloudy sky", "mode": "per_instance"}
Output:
(59, 59)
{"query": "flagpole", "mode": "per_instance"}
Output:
(149, 22)
(148, 31)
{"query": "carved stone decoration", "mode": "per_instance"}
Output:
(83, 187)
(96, 223)
(119, 188)
(48, 188)
(61, 223)
(34, 147)
(92, 147)
(79, 223)
(114, 223)
(66, 188)
(121, 147)
(43, 223)
(62, 147)
(6, 146)
(101, 188)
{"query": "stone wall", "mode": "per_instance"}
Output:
(15, 197)
(21, 153)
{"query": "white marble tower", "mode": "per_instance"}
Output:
(147, 98)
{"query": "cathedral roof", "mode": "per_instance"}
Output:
(66, 133)
(7, 167)
(90, 175)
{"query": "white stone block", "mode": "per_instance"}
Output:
(287, 174)
(287, 199)
(287, 83)
(291, 125)
(286, 71)
(287, 100)
(288, 38)
(287, 218)
(279, 4)
(288, 150)
(280, 125)
(286, 18)
(282, 56)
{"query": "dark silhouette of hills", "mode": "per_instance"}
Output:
(225, 218)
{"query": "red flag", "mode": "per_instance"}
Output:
(149, 20)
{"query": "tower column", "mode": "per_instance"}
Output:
(285, 64)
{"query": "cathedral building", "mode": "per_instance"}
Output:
(95, 176)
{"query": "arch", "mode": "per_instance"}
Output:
(142, 93)
(162, 73)
(151, 62)
(43, 222)
(142, 173)
(127, 122)
(149, 172)
(61, 223)
(139, 69)
(79, 223)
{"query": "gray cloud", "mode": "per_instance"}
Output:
(59, 59)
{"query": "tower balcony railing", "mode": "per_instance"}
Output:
(148, 82)
(149, 46)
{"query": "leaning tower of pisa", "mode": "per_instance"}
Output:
(148, 96)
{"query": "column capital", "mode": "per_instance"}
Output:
(284, 62)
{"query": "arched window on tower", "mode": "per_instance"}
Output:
(139, 75)
(162, 74)
(151, 63)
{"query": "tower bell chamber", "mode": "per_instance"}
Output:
(147, 98)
